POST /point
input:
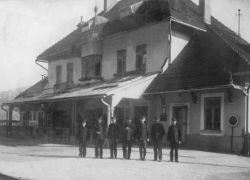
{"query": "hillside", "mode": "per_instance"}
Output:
(6, 96)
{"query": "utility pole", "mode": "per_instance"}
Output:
(239, 17)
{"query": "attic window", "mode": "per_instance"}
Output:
(126, 11)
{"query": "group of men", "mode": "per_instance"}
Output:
(128, 135)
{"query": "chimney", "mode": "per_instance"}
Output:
(105, 3)
(108, 4)
(205, 10)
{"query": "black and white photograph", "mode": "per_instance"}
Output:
(125, 90)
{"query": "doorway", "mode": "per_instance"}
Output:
(181, 114)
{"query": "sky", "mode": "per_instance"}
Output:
(28, 27)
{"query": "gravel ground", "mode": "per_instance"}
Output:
(53, 161)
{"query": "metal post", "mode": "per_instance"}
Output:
(232, 136)
(9, 126)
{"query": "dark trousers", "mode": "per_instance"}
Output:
(142, 149)
(99, 148)
(157, 149)
(82, 149)
(173, 149)
(113, 148)
(126, 148)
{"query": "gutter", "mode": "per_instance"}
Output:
(41, 65)
(5, 110)
(187, 24)
(188, 90)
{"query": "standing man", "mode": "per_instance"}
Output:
(157, 133)
(99, 138)
(142, 138)
(113, 134)
(174, 138)
(82, 138)
(128, 135)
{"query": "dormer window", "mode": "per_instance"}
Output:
(92, 66)
(141, 58)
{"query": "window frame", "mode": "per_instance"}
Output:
(86, 67)
(58, 78)
(121, 59)
(144, 64)
(68, 68)
(203, 118)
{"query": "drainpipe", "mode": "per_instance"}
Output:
(5, 110)
(109, 109)
(41, 66)
(170, 41)
(247, 121)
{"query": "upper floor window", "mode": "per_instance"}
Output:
(141, 58)
(58, 74)
(121, 61)
(70, 72)
(92, 66)
(212, 113)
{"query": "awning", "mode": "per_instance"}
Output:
(131, 87)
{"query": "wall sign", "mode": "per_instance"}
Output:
(233, 120)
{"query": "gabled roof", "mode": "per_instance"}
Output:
(238, 44)
(205, 62)
(182, 10)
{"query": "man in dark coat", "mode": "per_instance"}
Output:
(128, 137)
(113, 134)
(82, 138)
(142, 138)
(157, 133)
(174, 138)
(99, 138)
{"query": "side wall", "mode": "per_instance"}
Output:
(154, 36)
(77, 70)
(196, 138)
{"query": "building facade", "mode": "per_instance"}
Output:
(145, 58)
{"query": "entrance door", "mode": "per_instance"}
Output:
(180, 113)
(139, 112)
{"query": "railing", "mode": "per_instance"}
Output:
(9, 123)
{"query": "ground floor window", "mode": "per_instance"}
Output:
(212, 113)
(212, 109)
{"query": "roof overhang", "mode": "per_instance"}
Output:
(199, 89)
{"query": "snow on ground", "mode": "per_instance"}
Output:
(53, 161)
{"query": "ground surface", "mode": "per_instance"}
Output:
(53, 161)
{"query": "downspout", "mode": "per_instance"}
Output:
(168, 60)
(247, 122)
(41, 66)
(109, 109)
(170, 41)
(5, 110)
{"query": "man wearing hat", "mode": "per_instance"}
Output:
(174, 138)
(128, 138)
(142, 137)
(99, 138)
(157, 133)
(113, 135)
(82, 138)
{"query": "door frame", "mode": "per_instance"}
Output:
(172, 105)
